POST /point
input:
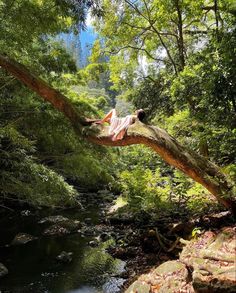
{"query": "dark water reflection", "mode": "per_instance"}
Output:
(33, 267)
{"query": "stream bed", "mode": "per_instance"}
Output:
(33, 267)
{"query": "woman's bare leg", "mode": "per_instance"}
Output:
(109, 115)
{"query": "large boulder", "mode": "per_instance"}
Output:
(212, 257)
(212, 260)
(169, 277)
(139, 287)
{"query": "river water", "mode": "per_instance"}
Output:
(33, 266)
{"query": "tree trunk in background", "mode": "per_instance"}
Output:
(192, 164)
(203, 148)
(216, 18)
(180, 40)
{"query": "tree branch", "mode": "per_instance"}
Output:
(190, 163)
(155, 30)
(136, 48)
(195, 32)
(166, 49)
(38, 85)
(208, 8)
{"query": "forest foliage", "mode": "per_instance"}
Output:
(174, 58)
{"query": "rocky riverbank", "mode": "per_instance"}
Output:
(206, 264)
(148, 249)
(145, 244)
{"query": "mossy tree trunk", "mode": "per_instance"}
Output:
(192, 164)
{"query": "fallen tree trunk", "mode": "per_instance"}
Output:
(192, 164)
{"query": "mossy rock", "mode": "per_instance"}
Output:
(212, 258)
(169, 277)
(170, 267)
(139, 287)
(61, 225)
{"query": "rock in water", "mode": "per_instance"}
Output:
(53, 219)
(56, 230)
(3, 271)
(22, 238)
(65, 257)
(25, 213)
(60, 225)
(93, 243)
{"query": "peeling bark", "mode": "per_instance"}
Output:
(192, 164)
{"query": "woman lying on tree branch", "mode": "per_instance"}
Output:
(119, 125)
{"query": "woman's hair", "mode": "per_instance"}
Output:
(141, 114)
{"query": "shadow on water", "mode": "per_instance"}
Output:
(33, 267)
